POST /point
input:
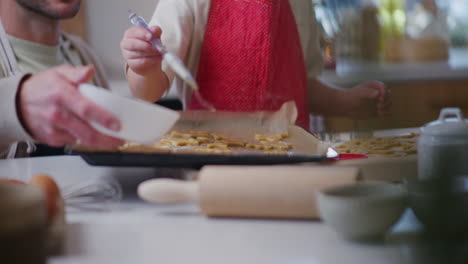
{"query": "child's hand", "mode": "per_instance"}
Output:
(141, 56)
(368, 100)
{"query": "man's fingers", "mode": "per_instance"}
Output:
(90, 112)
(56, 137)
(85, 133)
(76, 75)
(103, 141)
(63, 138)
(86, 110)
(65, 128)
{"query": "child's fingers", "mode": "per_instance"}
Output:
(138, 33)
(137, 45)
(130, 55)
(156, 30)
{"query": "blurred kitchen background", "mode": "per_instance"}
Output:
(419, 48)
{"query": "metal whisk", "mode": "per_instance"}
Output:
(94, 195)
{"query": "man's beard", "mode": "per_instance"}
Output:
(43, 8)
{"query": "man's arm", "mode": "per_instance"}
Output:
(47, 107)
(11, 129)
(54, 112)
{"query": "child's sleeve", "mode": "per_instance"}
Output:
(175, 17)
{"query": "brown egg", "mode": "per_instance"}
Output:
(51, 191)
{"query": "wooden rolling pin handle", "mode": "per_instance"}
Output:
(252, 191)
(169, 191)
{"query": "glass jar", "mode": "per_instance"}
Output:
(443, 146)
(392, 14)
(370, 31)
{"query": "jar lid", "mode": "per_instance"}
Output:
(450, 123)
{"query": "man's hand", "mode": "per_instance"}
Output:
(367, 100)
(140, 55)
(55, 113)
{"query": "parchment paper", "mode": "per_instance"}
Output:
(243, 126)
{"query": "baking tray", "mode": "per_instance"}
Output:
(238, 126)
(192, 161)
(338, 137)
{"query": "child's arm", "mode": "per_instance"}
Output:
(366, 100)
(146, 79)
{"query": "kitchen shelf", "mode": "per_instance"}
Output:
(349, 72)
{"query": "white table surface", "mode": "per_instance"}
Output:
(137, 232)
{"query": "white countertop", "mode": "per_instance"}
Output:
(352, 72)
(137, 232)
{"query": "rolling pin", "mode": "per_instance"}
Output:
(252, 191)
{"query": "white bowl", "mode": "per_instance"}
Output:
(363, 211)
(141, 121)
